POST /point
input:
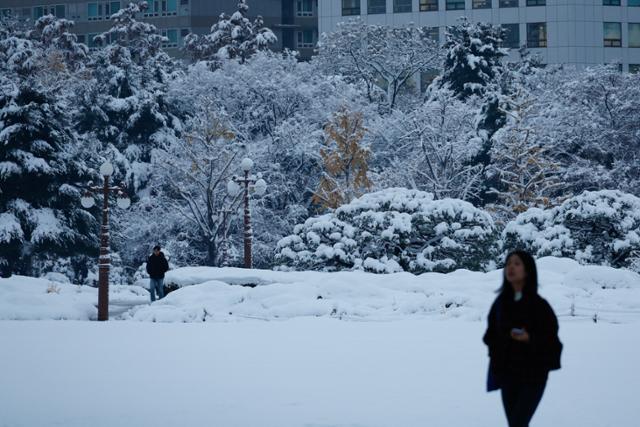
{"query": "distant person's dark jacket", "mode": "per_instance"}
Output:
(157, 265)
(512, 360)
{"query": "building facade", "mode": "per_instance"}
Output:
(580, 32)
(295, 22)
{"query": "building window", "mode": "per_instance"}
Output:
(304, 39)
(82, 38)
(455, 5)
(612, 34)
(509, 3)
(481, 4)
(537, 34)
(511, 36)
(536, 2)
(5, 13)
(634, 68)
(60, 11)
(611, 2)
(430, 5)
(169, 7)
(634, 35)
(635, 3)
(172, 38)
(38, 12)
(102, 10)
(350, 7)
(401, 6)
(153, 8)
(184, 2)
(304, 7)
(375, 7)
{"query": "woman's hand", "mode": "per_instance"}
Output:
(520, 335)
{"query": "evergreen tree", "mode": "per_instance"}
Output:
(232, 37)
(39, 199)
(473, 59)
(60, 45)
(124, 104)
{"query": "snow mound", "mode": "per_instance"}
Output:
(572, 289)
(209, 294)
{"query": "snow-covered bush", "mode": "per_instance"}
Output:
(395, 229)
(599, 227)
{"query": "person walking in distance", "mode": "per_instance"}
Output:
(157, 265)
(523, 342)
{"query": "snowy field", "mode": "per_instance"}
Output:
(303, 372)
(307, 349)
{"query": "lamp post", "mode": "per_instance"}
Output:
(104, 261)
(245, 183)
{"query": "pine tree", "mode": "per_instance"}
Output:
(473, 59)
(232, 37)
(345, 161)
(39, 199)
(60, 45)
(123, 105)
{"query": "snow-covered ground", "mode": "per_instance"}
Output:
(603, 293)
(307, 349)
(302, 372)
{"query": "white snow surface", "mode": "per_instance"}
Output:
(283, 358)
(214, 294)
(303, 372)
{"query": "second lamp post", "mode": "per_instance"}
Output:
(246, 183)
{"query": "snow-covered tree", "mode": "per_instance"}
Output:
(345, 161)
(589, 120)
(473, 60)
(473, 67)
(60, 45)
(232, 37)
(393, 230)
(601, 227)
(196, 171)
(281, 126)
(19, 56)
(124, 104)
(431, 148)
(526, 173)
(40, 169)
(385, 59)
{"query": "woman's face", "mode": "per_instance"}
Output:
(514, 271)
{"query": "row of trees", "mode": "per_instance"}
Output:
(506, 137)
(396, 229)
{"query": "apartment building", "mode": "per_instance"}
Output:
(580, 32)
(295, 22)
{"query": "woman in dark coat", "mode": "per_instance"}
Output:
(522, 337)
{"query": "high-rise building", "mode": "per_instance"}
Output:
(295, 22)
(580, 32)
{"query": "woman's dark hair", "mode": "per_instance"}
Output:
(530, 270)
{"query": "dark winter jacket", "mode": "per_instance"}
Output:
(157, 265)
(512, 360)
